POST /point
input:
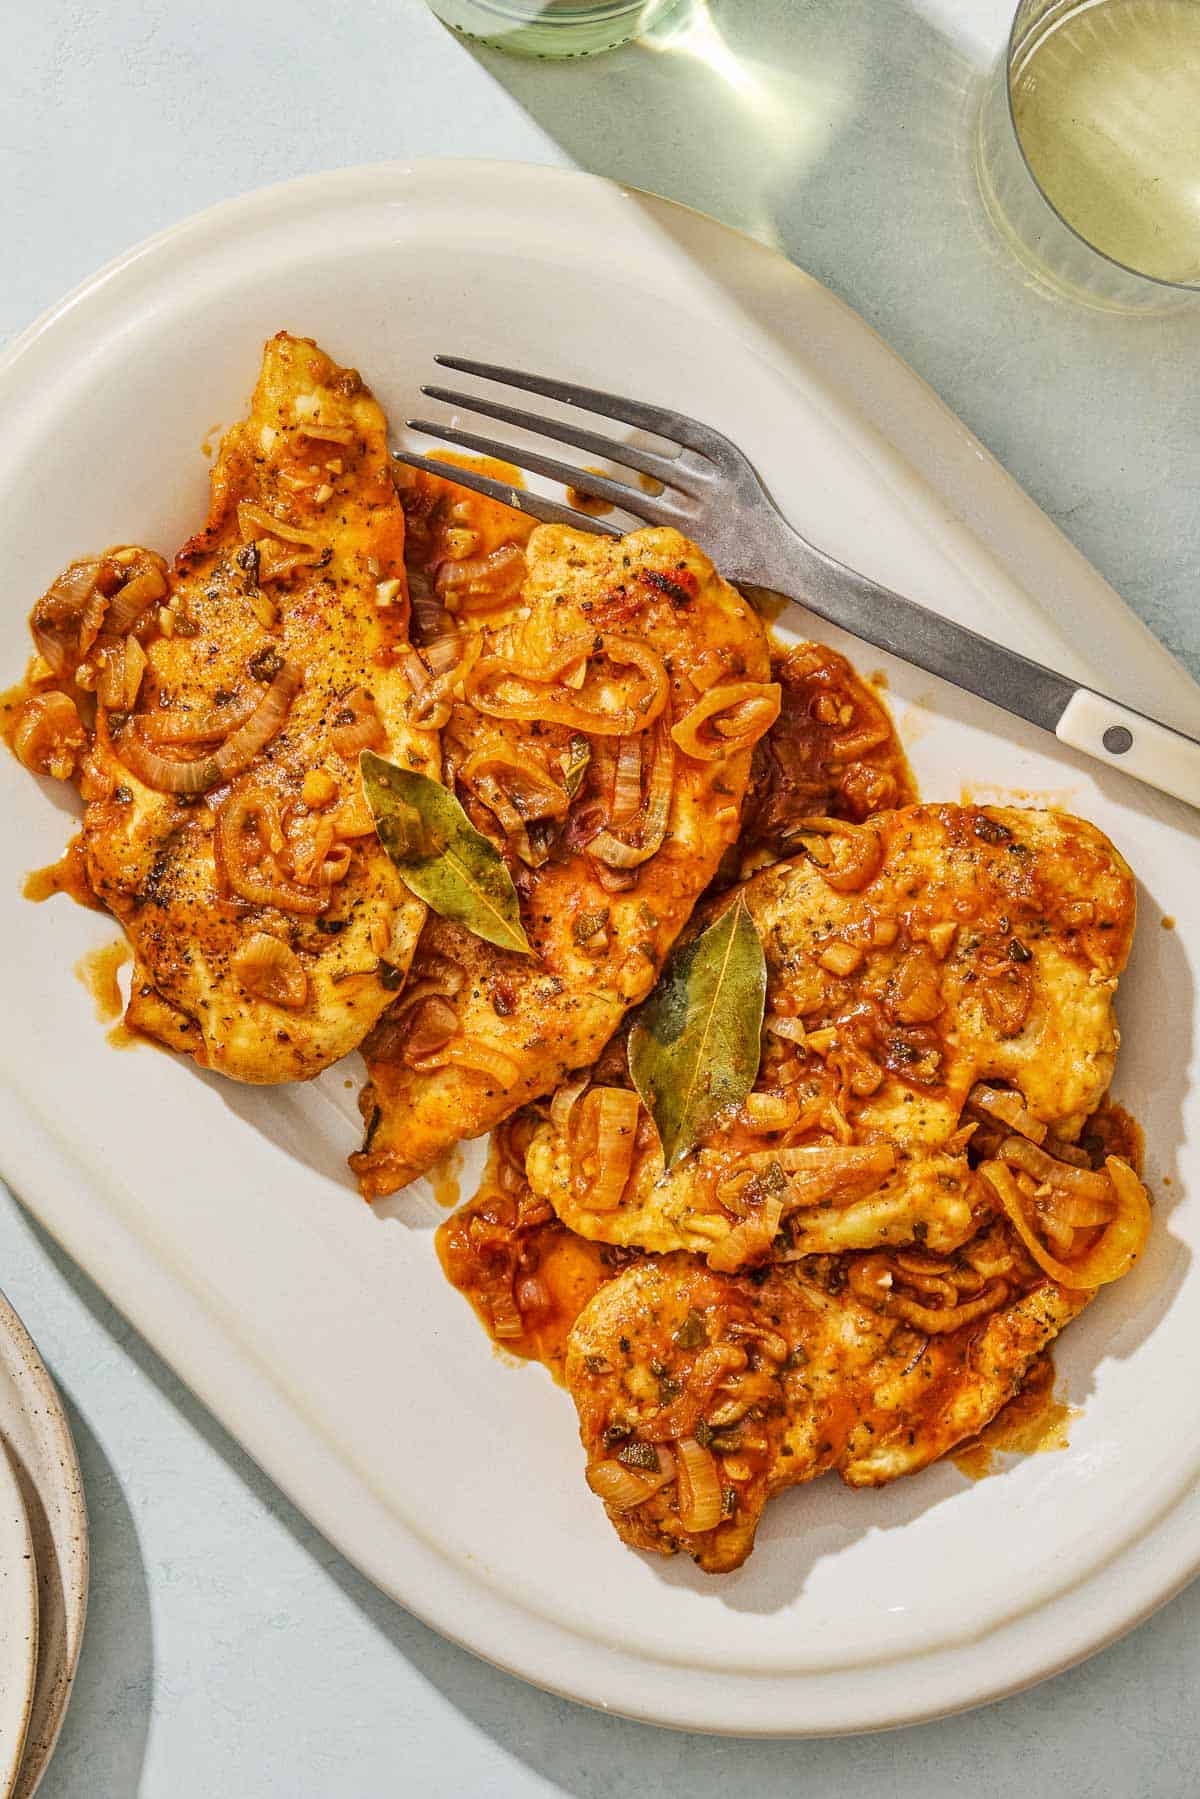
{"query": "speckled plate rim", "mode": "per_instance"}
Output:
(53, 1497)
(19, 1642)
(926, 452)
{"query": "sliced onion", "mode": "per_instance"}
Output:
(365, 732)
(821, 1171)
(92, 621)
(49, 738)
(530, 791)
(627, 782)
(327, 434)
(249, 820)
(498, 802)
(130, 601)
(1114, 1252)
(161, 773)
(1065, 1152)
(57, 618)
(860, 856)
(416, 671)
(699, 1486)
(532, 1296)
(110, 687)
(750, 709)
(1087, 1183)
(507, 1322)
(1009, 1108)
(238, 751)
(1006, 991)
(253, 520)
(235, 754)
(479, 583)
(174, 725)
(563, 1103)
(771, 1111)
(444, 652)
(748, 1241)
(479, 1058)
(1072, 1211)
(622, 1487)
(503, 688)
(616, 852)
(353, 817)
(602, 1150)
(430, 618)
(271, 970)
(871, 1278)
(432, 1024)
(135, 668)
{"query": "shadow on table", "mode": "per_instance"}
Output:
(841, 134)
(115, 1679)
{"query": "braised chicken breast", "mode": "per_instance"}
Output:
(930, 969)
(603, 742)
(226, 702)
(701, 1395)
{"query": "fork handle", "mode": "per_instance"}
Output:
(1102, 728)
(1130, 741)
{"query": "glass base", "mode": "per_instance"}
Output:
(1060, 261)
(553, 28)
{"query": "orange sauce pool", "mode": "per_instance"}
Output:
(98, 971)
(526, 1281)
(1033, 1423)
(584, 502)
(68, 875)
(443, 1176)
(428, 499)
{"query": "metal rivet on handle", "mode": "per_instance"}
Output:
(1117, 739)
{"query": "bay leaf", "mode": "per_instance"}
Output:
(579, 754)
(439, 854)
(695, 1043)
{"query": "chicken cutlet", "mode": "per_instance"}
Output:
(603, 742)
(227, 700)
(927, 971)
(702, 1395)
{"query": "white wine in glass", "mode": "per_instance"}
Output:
(1090, 142)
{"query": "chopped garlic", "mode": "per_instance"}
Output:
(386, 591)
(319, 789)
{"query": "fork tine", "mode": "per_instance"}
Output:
(592, 443)
(534, 504)
(657, 511)
(676, 427)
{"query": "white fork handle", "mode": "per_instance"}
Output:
(1129, 741)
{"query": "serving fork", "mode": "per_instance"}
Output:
(709, 490)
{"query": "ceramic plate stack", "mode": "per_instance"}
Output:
(43, 1561)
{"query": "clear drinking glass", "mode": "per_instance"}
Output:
(1088, 149)
(554, 27)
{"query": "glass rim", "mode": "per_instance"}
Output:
(1126, 268)
(579, 12)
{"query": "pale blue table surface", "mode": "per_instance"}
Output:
(229, 1649)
